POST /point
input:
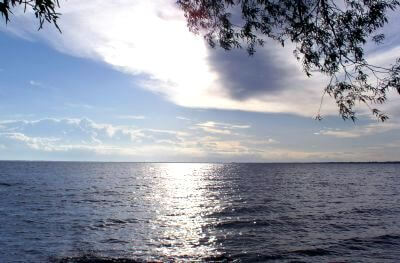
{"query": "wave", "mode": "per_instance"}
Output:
(238, 224)
(243, 211)
(93, 259)
(89, 258)
(385, 240)
(312, 252)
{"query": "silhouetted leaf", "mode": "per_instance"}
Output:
(329, 38)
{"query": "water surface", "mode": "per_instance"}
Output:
(54, 211)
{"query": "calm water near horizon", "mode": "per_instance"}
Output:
(71, 211)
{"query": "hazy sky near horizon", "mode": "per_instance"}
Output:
(127, 81)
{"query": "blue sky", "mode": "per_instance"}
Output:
(109, 89)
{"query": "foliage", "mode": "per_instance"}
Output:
(44, 10)
(329, 36)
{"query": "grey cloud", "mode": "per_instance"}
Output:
(266, 73)
(243, 76)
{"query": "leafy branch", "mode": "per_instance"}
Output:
(44, 10)
(329, 36)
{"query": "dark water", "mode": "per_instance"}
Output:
(77, 212)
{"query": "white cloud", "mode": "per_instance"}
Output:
(62, 135)
(35, 83)
(84, 139)
(359, 131)
(262, 142)
(219, 127)
(74, 105)
(37, 143)
(78, 136)
(183, 118)
(212, 124)
(132, 117)
(215, 130)
(151, 39)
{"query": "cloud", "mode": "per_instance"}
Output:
(215, 130)
(37, 143)
(85, 139)
(101, 140)
(223, 125)
(360, 131)
(183, 118)
(76, 135)
(262, 143)
(357, 155)
(132, 117)
(85, 131)
(84, 106)
(219, 127)
(35, 83)
(243, 76)
(150, 40)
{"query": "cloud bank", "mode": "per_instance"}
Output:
(150, 40)
(84, 139)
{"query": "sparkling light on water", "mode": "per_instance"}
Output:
(180, 194)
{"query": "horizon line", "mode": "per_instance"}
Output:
(221, 162)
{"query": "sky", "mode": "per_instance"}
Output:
(127, 81)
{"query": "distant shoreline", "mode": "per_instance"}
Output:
(355, 162)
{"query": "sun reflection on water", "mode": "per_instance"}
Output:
(181, 194)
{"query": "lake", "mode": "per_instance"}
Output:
(83, 212)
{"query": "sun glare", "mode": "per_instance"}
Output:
(183, 206)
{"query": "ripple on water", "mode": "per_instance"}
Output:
(132, 212)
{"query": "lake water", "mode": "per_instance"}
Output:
(83, 212)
